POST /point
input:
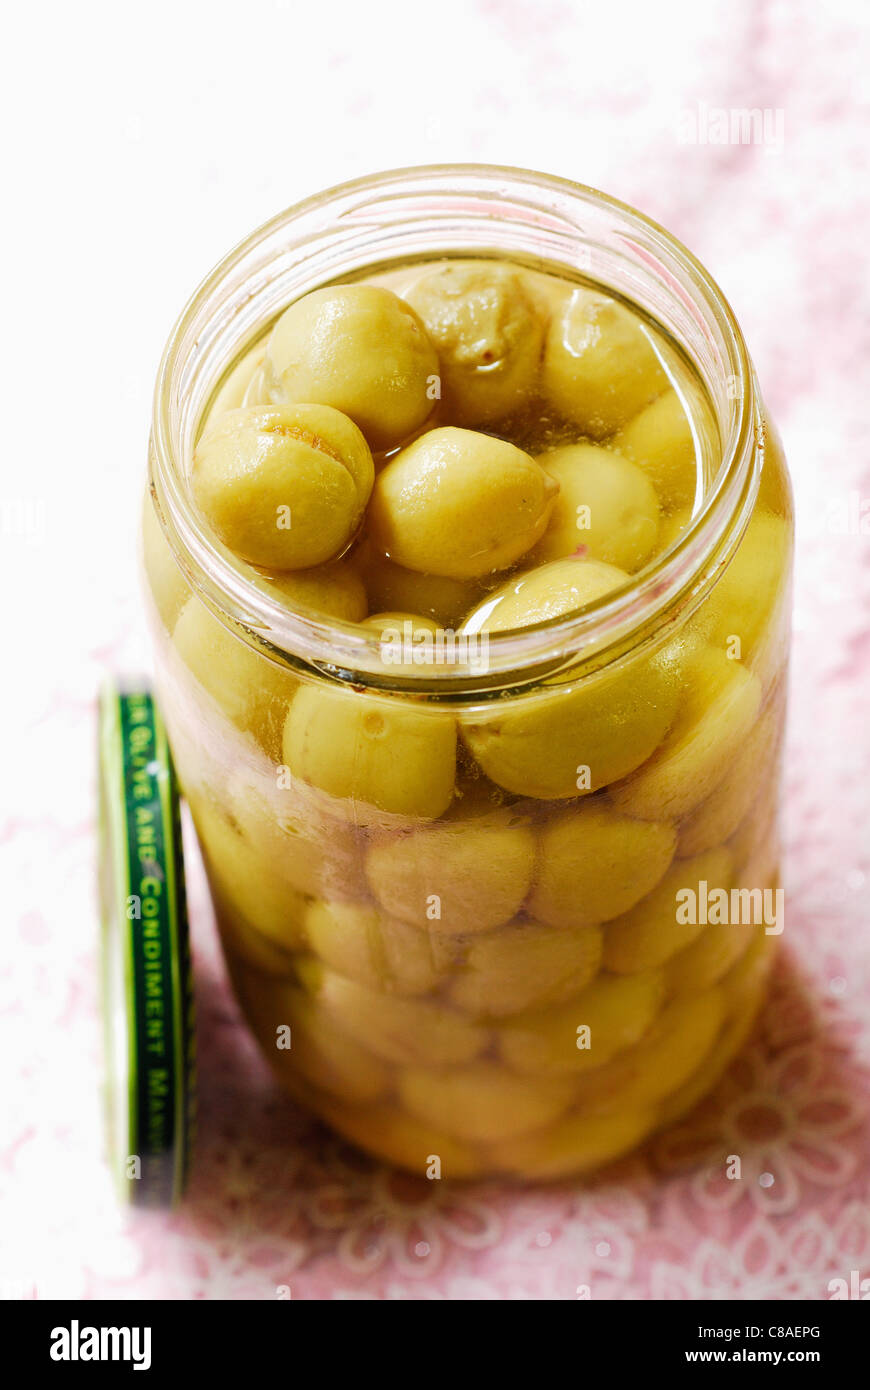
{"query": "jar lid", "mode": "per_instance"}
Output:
(146, 971)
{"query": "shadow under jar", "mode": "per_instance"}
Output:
(507, 905)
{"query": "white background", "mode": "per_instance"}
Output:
(141, 142)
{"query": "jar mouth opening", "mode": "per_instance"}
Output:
(439, 210)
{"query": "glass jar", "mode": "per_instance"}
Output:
(448, 945)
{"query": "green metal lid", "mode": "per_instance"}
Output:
(147, 986)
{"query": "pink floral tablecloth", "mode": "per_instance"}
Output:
(627, 100)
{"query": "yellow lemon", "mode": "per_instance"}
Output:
(387, 1131)
(666, 1057)
(600, 366)
(609, 1015)
(488, 334)
(359, 941)
(334, 590)
(455, 877)
(595, 864)
(284, 487)
(482, 1103)
(754, 766)
(392, 588)
(251, 690)
(523, 966)
(361, 350)
(720, 706)
(573, 1145)
(566, 739)
(244, 879)
(459, 503)
(368, 753)
(407, 1032)
(300, 1038)
(651, 932)
(667, 441)
(606, 505)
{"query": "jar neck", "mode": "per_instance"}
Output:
(433, 212)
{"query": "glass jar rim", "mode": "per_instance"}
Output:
(334, 222)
